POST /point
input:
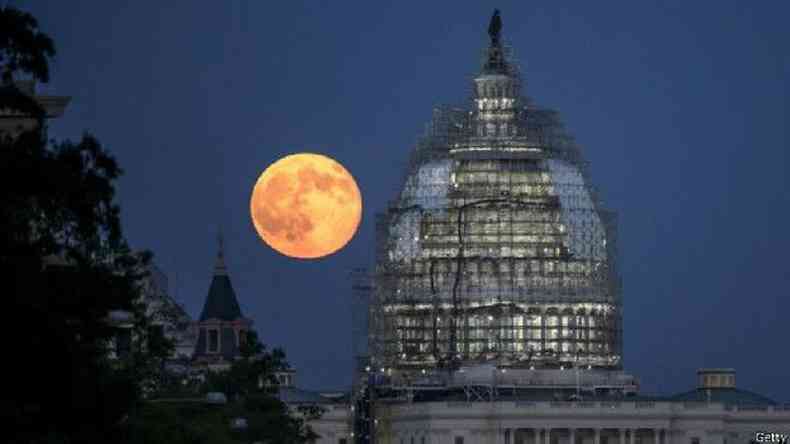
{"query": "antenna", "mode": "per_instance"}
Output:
(221, 241)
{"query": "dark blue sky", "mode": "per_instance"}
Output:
(682, 108)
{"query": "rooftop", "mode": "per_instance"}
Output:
(221, 302)
(727, 396)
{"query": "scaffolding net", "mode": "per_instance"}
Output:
(497, 248)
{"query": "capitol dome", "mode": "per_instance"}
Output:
(497, 248)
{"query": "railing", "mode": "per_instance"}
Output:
(568, 380)
(697, 404)
(635, 406)
(529, 404)
(459, 404)
(753, 408)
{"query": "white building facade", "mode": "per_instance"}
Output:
(593, 422)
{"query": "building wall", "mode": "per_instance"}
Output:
(333, 426)
(14, 123)
(167, 313)
(228, 338)
(514, 422)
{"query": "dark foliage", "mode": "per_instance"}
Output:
(22, 46)
(65, 268)
(56, 202)
(64, 265)
(181, 422)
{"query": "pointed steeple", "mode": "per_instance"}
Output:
(219, 265)
(221, 302)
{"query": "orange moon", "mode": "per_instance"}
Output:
(306, 206)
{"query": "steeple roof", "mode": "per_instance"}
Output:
(221, 302)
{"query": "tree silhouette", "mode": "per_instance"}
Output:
(65, 266)
(22, 46)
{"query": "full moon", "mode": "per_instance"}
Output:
(306, 206)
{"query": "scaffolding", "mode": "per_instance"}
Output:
(496, 249)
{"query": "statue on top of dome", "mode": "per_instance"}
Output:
(495, 28)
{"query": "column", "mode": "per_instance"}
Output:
(543, 327)
(597, 436)
(572, 435)
(633, 436)
(547, 436)
(621, 432)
